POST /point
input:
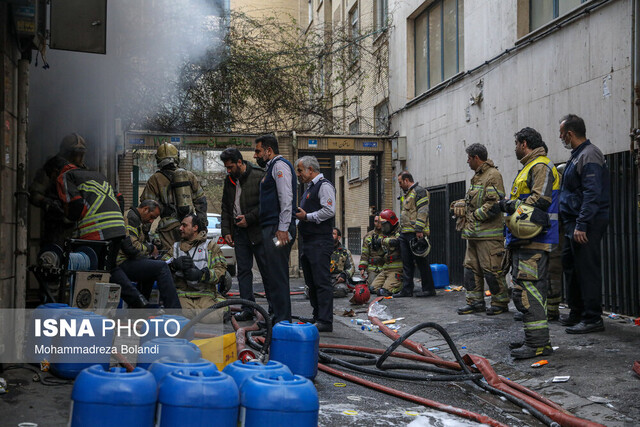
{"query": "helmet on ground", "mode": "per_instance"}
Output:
(389, 215)
(224, 285)
(166, 153)
(522, 223)
(340, 290)
(361, 294)
(420, 247)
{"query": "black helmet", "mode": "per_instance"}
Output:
(420, 247)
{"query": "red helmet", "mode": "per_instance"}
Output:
(389, 215)
(361, 294)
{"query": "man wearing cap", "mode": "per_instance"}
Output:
(43, 193)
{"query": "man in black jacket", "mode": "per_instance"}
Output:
(240, 220)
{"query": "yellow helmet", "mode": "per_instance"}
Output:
(166, 153)
(521, 225)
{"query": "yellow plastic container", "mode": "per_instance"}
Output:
(219, 350)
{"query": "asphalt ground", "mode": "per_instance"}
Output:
(601, 387)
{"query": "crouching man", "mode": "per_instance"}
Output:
(198, 265)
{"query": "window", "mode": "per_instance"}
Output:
(354, 127)
(354, 167)
(381, 122)
(354, 33)
(382, 12)
(310, 11)
(439, 43)
(543, 11)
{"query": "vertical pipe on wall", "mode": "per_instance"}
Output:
(21, 199)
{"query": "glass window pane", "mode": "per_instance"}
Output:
(450, 39)
(565, 6)
(461, 35)
(435, 45)
(420, 33)
(540, 13)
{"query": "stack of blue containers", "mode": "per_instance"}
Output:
(191, 391)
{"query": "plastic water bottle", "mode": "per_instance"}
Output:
(276, 242)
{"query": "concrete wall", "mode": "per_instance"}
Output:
(567, 71)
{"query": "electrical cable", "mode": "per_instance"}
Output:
(47, 381)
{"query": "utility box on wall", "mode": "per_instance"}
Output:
(399, 148)
(79, 25)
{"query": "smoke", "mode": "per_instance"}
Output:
(149, 43)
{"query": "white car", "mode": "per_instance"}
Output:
(214, 232)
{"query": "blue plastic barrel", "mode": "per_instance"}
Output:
(163, 366)
(72, 359)
(196, 398)
(157, 328)
(157, 348)
(240, 372)
(440, 273)
(296, 345)
(52, 310)
(113, 398)
(274, 401)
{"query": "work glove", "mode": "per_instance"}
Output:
(458, 208)
(376, 243)
(182, 263)
(508, 206)
(197, 275)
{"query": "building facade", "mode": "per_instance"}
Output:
(467, 71)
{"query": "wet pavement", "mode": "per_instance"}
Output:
(601, 387)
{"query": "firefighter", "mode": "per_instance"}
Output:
(389, 281)
(44, 194)
(198, 265)
(372, 257)
(138, 258)
(90, 200)
(483, 230)
(178, 192)
(532, 232)
(342, 266)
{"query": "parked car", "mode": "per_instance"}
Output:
(214, 232)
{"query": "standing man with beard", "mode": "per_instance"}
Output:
(533, 201)
(316, 213)
(277, 219)
(241, 222)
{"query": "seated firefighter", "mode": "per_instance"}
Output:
(342, 267)
(198, 266)
(389, 280)
(137, 260)
(372, 258)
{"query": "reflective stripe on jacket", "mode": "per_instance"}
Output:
(414, 216)
(487, 188)
(522, 190)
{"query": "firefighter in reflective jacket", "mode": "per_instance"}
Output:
(389, 281)
(372, 257)
(89, 199)
(483, 230)
(537, 185)
(178, 192)
(198, 266)
(342, 266)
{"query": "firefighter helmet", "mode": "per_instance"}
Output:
(72, 143)
(389, 215)
(420, 247)
(167, 153)
(361, 294)
(522, 223)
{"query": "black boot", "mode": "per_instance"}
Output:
(526, 352)
(476, 307)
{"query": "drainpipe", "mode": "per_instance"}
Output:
(19, 299)
(635, 112)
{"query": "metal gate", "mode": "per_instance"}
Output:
(620, 255)
(447, 246)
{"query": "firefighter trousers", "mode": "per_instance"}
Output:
(483, 261)
(530, 271)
